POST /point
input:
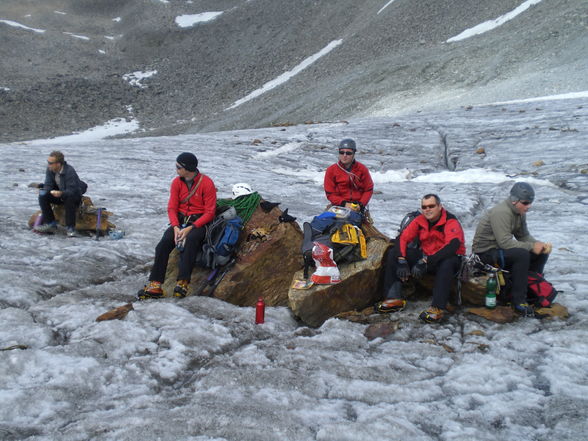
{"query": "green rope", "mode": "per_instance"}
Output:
(245, 205)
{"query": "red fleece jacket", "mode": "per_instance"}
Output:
(203, 201)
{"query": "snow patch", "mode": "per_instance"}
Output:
(186, 21)
(563, 96)
(385, 6)
(290, 147)
(287, 75)
(476, 175)
(135, 78)
(118, 126)
(493, 24)
(18, 25)
(81, 37)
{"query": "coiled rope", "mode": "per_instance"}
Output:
(245, 205)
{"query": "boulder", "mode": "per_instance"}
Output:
(359, 287)
(267, 255)
(500, 314)
(86, 217)
(118, 313)
(555, 311)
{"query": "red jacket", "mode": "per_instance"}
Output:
(433, 239)
(203, 201)
(354, 185)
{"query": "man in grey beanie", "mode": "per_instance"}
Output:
(502, 238)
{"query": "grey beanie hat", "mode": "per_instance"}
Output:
(522, 191)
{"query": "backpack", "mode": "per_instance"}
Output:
(220, 241)
(323, 227)
(539, 291)
(406, 220)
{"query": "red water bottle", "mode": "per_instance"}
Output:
(259, 311)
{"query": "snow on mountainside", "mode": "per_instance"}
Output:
(226, 64)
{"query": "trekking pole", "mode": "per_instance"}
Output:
(98, 222)
(220, 276)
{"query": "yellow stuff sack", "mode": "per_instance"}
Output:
(349, 234)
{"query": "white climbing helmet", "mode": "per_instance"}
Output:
(241, 189)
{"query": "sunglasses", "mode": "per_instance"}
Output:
(424, 207)
(346, 153)
(179, 167)
(526, 202)
(51, 163)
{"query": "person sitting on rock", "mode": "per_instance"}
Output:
(348, 183)
(502, 238)
(62, 187)
(438, 250)
(191, 205)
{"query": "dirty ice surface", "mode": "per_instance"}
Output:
(200, 369)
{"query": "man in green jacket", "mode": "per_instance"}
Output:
(502, 238)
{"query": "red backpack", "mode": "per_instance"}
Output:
(539, 291)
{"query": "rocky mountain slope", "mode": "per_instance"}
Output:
(65, 64)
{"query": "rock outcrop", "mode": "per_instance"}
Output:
(267, 256)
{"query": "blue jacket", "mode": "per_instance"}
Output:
(71, 184)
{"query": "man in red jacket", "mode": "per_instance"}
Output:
(348, 182)
(191, 205)
(440, 245)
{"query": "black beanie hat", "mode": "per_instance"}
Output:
(188, 161)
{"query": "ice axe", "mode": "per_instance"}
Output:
(98, 221)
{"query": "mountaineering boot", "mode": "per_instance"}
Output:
(431, 315)
(524, 310)
(49, 228)
(390, 305)
(151, 291)
(181, 289)
(71, 232)
(394, 301)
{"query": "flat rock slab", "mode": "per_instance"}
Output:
(500, 314)
(555, 311)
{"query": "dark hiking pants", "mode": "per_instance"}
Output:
(187, 257)
(445, 271)
(70, 204)
(518, 262)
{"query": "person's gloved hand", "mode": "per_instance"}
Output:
(402, 269)
(420, 269)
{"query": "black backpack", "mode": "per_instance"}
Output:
(406, 221)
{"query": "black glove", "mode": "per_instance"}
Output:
(402, 269)
(420, 269)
